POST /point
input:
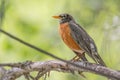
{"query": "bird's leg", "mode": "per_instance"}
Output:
(79, 54)
(74, 59)
(83, 58)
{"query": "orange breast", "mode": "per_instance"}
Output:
(64, 31)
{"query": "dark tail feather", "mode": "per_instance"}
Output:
(99, 59)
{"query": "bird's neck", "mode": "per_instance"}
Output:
(63, 21)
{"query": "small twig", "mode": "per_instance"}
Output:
(40, 74)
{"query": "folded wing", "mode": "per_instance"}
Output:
(85, 42)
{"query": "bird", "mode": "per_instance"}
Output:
(77, 39)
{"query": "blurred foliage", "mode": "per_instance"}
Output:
(31, 21)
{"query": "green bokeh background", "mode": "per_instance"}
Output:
(31, 21)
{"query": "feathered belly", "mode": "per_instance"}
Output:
(64, 31)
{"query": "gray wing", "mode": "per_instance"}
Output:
(85, 42)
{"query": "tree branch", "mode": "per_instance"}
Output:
(19, 69)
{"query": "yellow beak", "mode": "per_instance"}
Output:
(57, 17)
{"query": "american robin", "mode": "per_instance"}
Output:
(77, 39)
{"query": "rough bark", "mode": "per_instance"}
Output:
(25, 68)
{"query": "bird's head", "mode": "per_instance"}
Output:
(64, 18)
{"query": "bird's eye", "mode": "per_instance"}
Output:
(67, 15)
